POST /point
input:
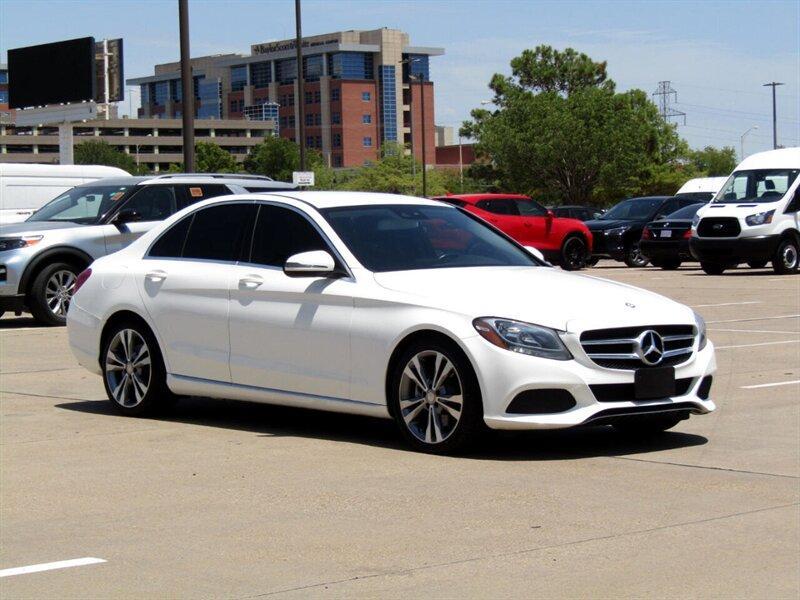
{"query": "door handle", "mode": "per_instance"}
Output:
(251, 281)
(157, 275)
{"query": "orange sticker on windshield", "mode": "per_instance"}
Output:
(117, 196)
(196, 192)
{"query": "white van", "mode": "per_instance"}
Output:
(701, 189)
(754, 217)
(26, 188)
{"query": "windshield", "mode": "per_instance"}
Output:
(407, 237)
(635, 208)
(757, 185)
(84, 204)
(687, 212)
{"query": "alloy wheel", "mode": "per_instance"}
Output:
(128, 368)
(431, 397)
(58, 292)
(636, 258)
(574, 253)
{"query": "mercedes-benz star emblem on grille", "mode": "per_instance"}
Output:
(630, 305)
(650, 347)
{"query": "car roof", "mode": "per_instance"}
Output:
(323, 200)
(196, 178)
(783, 158)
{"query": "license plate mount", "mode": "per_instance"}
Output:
(654, 383)
(665, 233)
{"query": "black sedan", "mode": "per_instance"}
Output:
(665, 242)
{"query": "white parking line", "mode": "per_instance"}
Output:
(764, 385)
(755, 319)
(759, 344)
(727, 304)
(61, 564)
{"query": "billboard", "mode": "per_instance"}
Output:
(55, 73)
(110, 50)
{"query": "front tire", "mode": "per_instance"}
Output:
(573, 253)
(787, 257)
(712, 268)
(133, 370)
(634, 257)
(51, 293)
(435, 398)
(757, 264)
(647, 425)
(670, 265)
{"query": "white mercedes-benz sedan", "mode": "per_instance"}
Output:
(382, 305)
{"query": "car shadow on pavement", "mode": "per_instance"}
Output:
(279, 421)
(19, 322)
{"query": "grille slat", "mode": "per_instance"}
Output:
(719, 227)
(616, 348)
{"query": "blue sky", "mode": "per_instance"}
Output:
(717, 54)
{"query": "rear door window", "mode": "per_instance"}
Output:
(153, 202)
(170, 244)
(499, 207)
(219, 232)
(195, 193)
(530, 208)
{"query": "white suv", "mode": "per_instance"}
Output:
(41, 257)
(754, 217)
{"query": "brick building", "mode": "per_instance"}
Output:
(362, 89)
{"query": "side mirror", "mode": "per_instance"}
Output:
(316, 263)
(536, 252)
(550, 214)
(126, 215)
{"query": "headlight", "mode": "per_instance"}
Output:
(760, 218)
(522, 337)
(19, 242)
(695, 221)
(616, 232)
(701, 331)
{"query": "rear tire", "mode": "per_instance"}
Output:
(787, 257)
(757, 264)
(711, 268)
(51, 293)
(434, 397)
(574, 251)
(634, 257)
(670, 265)
(647, 425)
(133, 370)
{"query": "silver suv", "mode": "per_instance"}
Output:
(41, 258)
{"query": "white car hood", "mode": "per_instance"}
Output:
(545, 296)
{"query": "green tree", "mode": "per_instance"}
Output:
(210, 158)
(561, 132)
(98, 152)
(278, 157)
(714, 162)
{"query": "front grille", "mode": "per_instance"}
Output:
(719, 227)
(617, 348)
(626, 392)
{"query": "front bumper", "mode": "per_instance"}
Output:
(734, 250)
(666, 250)
(15, 303)
(608, 246)
(503, 375)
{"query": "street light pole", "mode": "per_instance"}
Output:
(187, 89)
(424, 159)
(301, 100)
(741, 140)
(773, 85)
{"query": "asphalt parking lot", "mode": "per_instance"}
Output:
(241, 500)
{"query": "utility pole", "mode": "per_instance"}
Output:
(421, 80)
(187, 88)
(301, 96)
(666, 95)
(773, 85)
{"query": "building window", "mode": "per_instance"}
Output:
(239, 78)
(309, 141)
(351, 65)
(318, 141)
(312, 67)
(284, 122)
(337, 140)
(210, 96)
(318, 119)
(317, 97)
(367, 141)
(366, 119)
(367, 96)
(160, 93)
(175, 90)
(388, 103)
(3, 76)
(3, 96)
(417, 66)
(309, 120)
(286, 70)
(336, 118)
(309, 97)
(335, 97)
(337, 160)
(292, 122)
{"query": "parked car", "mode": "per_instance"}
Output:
(582, 213)
(40, 258)
(382, 305)
(616, 234)
(702, 189)
(26, 188)
(754, 217)
(566, 242)
(665, 242)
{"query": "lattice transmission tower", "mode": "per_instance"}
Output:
(666, 96)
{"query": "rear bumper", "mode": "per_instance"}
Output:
(655, 250)
(734, 250)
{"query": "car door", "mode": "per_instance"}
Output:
(503, 214)
(184, 283)
(533, 217)
(290, 334)
(152, 203)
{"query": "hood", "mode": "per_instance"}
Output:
(540, 295)
(736, 209)
(34, 227)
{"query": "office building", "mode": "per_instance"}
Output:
(362, 89)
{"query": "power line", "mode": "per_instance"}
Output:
(667, 95)
(737, 112)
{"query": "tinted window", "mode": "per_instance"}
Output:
(217, 232)
(170, 244)
(195, 193)
(635, 208)
(281, 233)
(499, 207)
(403, 237)
(670, 206)
(687, 212)
(529, 208)
(153, 202)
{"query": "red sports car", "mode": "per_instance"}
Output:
(567, 242)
